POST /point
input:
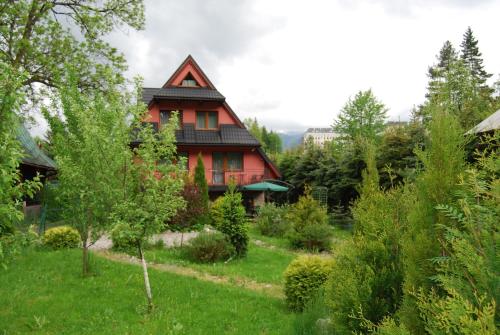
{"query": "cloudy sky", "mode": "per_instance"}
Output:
(293, 64)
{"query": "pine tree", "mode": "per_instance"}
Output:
(201, 181)
(472, 57)
(437, 73)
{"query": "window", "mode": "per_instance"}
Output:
(189, 81)
(234, 161)
(207, 120)
(165, 116)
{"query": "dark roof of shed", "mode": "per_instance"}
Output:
(181, 93)
(227, 135)
(33, 155)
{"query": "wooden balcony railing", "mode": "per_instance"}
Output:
(245, 177)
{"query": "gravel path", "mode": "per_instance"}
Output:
(170, 239)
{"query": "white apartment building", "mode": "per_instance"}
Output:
(320, 135)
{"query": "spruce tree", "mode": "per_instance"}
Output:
(472, 57)
(437, 73)
(201, 181)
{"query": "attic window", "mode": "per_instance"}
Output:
(189, 81)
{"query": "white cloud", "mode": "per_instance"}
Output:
(299, 62)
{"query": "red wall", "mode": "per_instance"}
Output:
(254, 166)
(189, 111)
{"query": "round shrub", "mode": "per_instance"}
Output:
(271, 220)
(303, 277)
(61, 237)
(123, 239)
(209, 248)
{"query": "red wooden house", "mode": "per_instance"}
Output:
(210, 127)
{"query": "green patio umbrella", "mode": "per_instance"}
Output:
(265, 186)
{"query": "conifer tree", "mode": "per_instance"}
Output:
(437, 73)
(201, 181)
(472, 57)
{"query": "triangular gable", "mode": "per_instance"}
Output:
(189, 69)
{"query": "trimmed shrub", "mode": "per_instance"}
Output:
(61, 237)
(229, 217)
(209, 248)
(194, 216)
(123, 239)
(303, 278)
(271, 220)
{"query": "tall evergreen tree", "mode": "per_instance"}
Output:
(472, 57)
(437, 73)
(201, 181)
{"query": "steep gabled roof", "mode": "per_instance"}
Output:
(189, 61)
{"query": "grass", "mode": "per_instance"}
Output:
(42, 292)
(262, 265)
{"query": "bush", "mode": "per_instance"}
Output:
(271, 220)
(13, 244)
(311, 237)
(61, 237)
(6, 227)
(209, 248)
(303, 278)
(228, 216)
(309, 222)
(194, 216)
(123, 239)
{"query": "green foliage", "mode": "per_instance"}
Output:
(91, 148)
(457, 83)
(309, 225)
(228, 216)
(314, 319)
(367, 275)
(12, 188)
(272, 220)
(201, 181)
(42, 36)
(61, 238)
(361, 117)
(194, 215)
(210, 248)
(443, 162)
(14, 244)
(124, 239)
(303, 278)
(270, 141)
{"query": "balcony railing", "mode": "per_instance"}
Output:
(245, 177)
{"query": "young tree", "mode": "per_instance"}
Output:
(362, 116)
(151, 188)
(201, 181)
(90, 146)
(40, 36)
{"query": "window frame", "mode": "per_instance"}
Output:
(206, 117)
(225, 160)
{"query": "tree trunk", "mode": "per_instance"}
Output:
(147, 286)
(85, 259)
(182, 237)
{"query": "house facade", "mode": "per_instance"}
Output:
(208, 126)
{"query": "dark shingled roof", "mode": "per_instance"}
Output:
(227, 135)
(181, 93)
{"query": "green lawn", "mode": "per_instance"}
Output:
(262, 265)
(43, 293)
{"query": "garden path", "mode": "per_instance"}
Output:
(272, 290)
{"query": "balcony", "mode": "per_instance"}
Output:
(245, 177)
